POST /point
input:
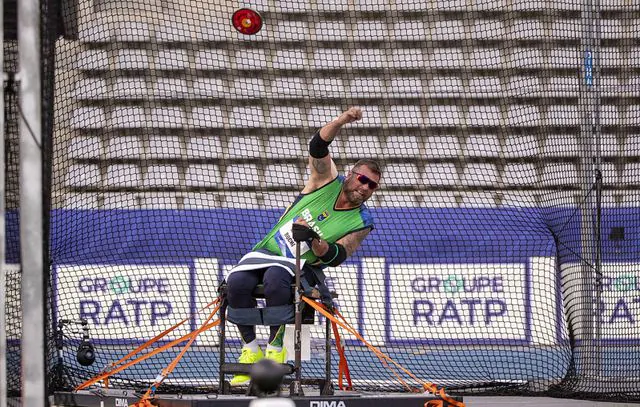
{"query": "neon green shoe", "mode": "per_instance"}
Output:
(247, 356)
(278, 357)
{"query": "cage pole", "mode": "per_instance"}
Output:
(590, 170)
(31, 191)
(3, 279)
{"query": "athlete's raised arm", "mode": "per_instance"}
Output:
(322, 167)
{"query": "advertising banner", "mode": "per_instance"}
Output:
(125, 302)
(458, 302)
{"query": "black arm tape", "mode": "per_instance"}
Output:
(335, 255)
(318, 147)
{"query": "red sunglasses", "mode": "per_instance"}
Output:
(366, 180)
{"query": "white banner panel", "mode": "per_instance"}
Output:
(475, 303)
(619, 307)
(125, 302)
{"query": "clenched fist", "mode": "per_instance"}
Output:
(351, 115)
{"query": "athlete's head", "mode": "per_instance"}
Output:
(361, 181)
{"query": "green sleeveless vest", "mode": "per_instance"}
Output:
(318, 209)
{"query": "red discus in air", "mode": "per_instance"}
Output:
(247, 21)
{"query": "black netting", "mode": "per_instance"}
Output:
(11, 193)
(504, 256)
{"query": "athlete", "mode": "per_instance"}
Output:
(332, 214)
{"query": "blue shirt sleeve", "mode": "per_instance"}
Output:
(367, 218)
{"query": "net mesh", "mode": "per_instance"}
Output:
(178, 142)
(11, 196)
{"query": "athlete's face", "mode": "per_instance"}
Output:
(360, 184)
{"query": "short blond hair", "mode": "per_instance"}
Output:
(370, 164)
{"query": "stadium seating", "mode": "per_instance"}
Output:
(440, 174)
(85, 148)
(486, 86)
(358, 146)
(403, 147)
(83, 175)
(404, 116)
(251, 59)
(202, 200)
(478, 200)
(517, 199)
(483, 116)
(90, 88)
(443, 86)
(212, 59)
(406, 87)
(164, 147)
(609, 174)
(203, 175)
(557, 174)
(520, 146)
(185, 114)
(330, 30)
(92, 60)
(283, 176)
(401, 175)
(329, 58)
(123, 176)
(560, 145)
(241, 176)
(278, 200)
(288, 87)
(554, 198)
(168, 88)
(442, 147)
(83, 200)
(520, 174)
(409, 30)
(521, 29)
(130, 88)
(397, 200)
(287, 59)
(132, 59)
(118, 200)
(88, 118)
(125, 147)
(291, 31)
(129, 117)
(447, 30)
(632, 145)
(610, 145)
(480, 174)
(524, 58)
(372, 119)
(158, 200)
(438, 199)
(162, 175)
(482, 145)
(240, 200)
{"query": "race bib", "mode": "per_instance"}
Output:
(284, 238)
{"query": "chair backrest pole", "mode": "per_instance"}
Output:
(222, 339)
(296, 386)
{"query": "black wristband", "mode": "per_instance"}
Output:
(318, 147)
(335, 255)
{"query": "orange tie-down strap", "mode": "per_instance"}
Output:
(119, 366)
(151, 391)
(343, 367)
(387, 361)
